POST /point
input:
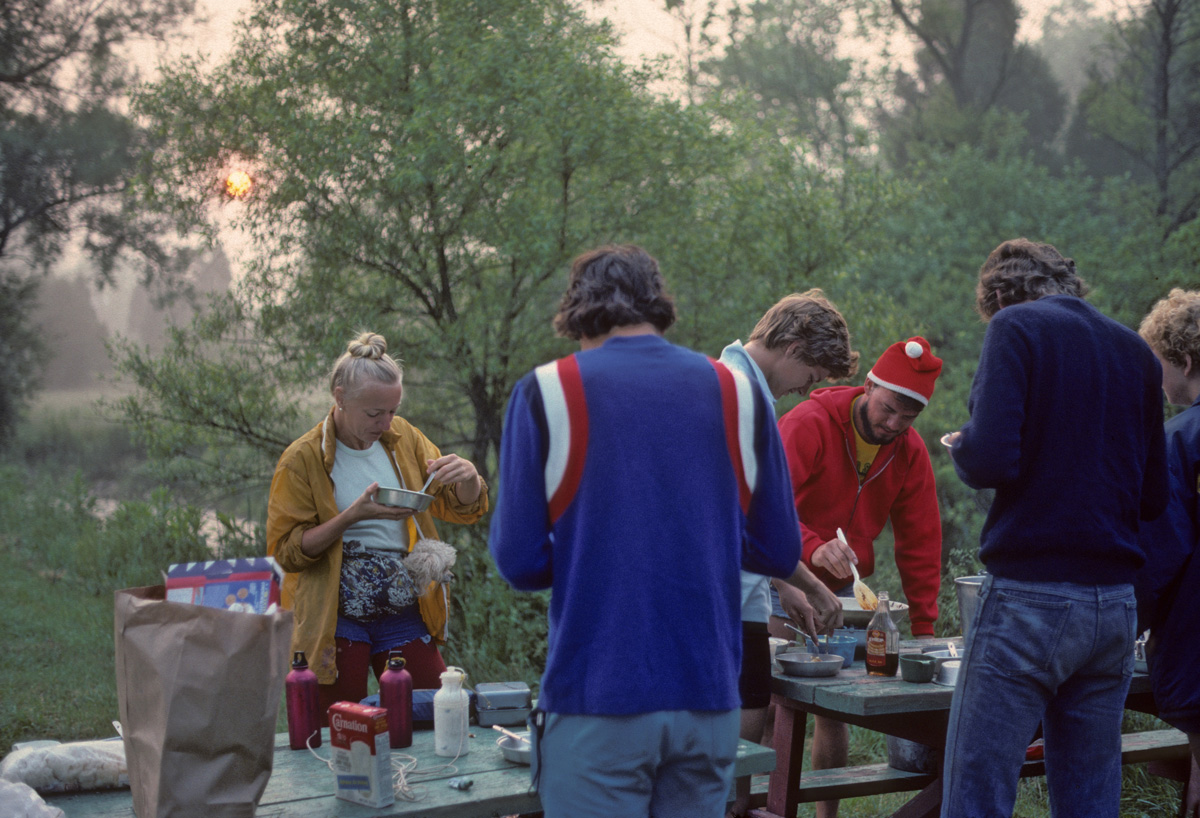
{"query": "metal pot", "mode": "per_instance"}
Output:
(403, 498)
(910, 756)
(967, 590)
(514, 749)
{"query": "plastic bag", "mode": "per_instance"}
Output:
(198, 689)
(20, 801)
(78, 765)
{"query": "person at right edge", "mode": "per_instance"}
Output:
(1066, 425)
(1168, 586)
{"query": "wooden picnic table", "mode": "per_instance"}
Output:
(917, 712)
(302, 785)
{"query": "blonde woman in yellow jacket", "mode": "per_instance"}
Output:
(343, 552)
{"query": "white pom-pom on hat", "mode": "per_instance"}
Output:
(913, 350)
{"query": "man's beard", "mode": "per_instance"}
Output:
(865, 431)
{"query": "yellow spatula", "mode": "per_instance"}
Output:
(865, 596)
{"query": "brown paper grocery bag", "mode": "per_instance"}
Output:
(198, 690)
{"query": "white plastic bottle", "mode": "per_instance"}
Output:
(451, 710)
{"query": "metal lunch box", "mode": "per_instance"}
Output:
(503, 703)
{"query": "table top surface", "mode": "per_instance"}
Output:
(855, 693)
(302, 785)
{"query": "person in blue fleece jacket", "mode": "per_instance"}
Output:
(1169, 584)
(1066, 425)
(637, 479)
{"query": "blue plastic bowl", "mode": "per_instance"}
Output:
(840, 644)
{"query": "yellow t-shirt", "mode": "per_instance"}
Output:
(864, 452)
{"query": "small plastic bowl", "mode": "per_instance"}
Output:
(840, 645)
(403, 498)
(917, 667)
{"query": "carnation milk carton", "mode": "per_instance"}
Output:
(362, 760)
(249, 584)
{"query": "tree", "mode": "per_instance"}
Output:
(1071, 37)
(428, 169)
(66, 149)
(968, 64)
(1144, 102)
(75, 337)
(785, 54)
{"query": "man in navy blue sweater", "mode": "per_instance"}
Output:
(636, 479)
(1066, 425)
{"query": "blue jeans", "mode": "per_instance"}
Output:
(1050, 652)
(667, 764)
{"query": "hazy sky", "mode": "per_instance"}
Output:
(646, 27)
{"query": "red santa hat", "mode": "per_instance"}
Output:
(908, 367)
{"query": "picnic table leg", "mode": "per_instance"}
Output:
(783, 791)
(925, 804)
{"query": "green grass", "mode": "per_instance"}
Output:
(57, 674)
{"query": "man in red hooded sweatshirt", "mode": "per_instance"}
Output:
(855, 463)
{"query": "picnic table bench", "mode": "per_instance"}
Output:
(301, 785)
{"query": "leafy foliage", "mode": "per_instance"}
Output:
(427, 170)
(21, 349)
(1144, 101)
(66, 153)
(216, 375)
(968, 65)
(786, 54)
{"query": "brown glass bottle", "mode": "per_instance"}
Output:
(883, 641)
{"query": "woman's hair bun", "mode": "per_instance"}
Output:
(369, 345)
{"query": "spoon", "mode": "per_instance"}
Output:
(865, 596)
(509, 733)
(808, 636)
(427, 482)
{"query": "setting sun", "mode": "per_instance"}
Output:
(238, 184)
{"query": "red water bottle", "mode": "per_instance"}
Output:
(395, 695)
(303, 704)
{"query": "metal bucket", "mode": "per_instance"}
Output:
(967, 590)
(911, 757)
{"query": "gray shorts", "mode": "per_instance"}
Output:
(669, 764)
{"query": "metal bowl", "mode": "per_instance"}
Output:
(403, 498)
(947, 673)
(853, 613)
(809, 664)
(513, 749)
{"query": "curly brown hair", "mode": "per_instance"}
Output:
(1022, 270)
(613, 286)
(1172, 327)
(812, 320)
